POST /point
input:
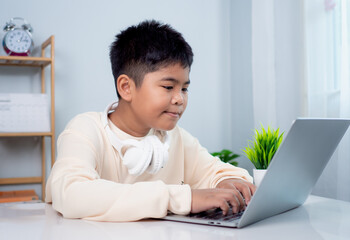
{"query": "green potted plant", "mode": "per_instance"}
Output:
(226, 156)
(261, 149)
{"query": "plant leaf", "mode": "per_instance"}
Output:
(262, 148)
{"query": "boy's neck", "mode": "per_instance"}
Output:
(123, 119)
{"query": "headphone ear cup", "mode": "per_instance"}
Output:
(138, 158)
(160, 155)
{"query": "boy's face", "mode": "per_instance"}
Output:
(161, 99)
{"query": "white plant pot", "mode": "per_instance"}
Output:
(258, 175)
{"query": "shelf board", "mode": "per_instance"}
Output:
(21, 180)
(25, 61)
(25, 134)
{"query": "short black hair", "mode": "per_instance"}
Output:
(146, 48)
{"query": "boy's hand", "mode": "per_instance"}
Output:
(246, 189)
(228, 192)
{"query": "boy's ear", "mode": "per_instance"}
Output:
(125, 85)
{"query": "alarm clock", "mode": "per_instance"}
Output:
(18, 40)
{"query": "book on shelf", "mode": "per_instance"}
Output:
(18, 196)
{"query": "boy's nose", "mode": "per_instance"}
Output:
(178, 98)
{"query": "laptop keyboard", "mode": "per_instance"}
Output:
(216, 214)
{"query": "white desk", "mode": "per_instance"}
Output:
(318, 218)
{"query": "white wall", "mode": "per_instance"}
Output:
(83, 32)
(242, 121)
(220, 111)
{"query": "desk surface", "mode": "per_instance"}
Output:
(318, 218)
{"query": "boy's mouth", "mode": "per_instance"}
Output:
(173, 114)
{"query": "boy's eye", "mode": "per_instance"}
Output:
(168, 87)
(185, 89)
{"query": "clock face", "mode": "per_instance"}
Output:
(18, 41)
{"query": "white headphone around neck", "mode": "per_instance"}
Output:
(138, 156)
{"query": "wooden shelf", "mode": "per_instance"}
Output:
(41, 62)
(22, 180)
(24, 61)
(26, 134)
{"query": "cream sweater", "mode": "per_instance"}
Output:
(89, 180)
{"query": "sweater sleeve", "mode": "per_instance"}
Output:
(76, 189)
(202, 170)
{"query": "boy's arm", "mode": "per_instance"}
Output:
(76, 189)
(202, 170)
(205, 172)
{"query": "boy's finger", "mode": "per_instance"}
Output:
(252, 189)
(236, 200)
(247, 194)
(224, 207)
(235, 205)
(247, 189)
(240, 199)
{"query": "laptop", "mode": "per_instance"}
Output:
(290, 178)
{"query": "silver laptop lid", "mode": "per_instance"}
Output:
(296, 167)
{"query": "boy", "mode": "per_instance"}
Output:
(132, 161)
